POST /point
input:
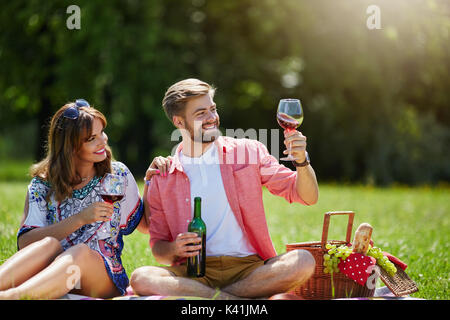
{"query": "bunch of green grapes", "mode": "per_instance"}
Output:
(333, 256)
(382, 260)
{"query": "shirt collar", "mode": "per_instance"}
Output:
(176, 163)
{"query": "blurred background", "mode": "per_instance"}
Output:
(376, 101)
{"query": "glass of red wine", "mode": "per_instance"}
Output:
(112, 189)
(289, 117)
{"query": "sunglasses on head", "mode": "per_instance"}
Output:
(72, 112)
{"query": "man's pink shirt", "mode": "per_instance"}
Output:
(246, 166)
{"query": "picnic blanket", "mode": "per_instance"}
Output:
(382, 293)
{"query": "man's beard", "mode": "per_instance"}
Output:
(204, 136)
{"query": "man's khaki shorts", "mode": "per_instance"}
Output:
(223, 270)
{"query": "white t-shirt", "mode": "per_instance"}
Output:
(224, 237)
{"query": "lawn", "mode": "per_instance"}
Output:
(411, 223)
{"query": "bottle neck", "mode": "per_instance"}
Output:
(197, 209)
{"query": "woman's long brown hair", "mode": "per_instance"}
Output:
(65, 138)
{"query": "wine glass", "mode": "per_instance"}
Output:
(112, 189)
(289, 117)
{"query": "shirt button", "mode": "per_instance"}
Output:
(187, 199)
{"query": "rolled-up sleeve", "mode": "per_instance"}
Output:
(158, 226)
(277, 178)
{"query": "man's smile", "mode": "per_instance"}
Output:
(210, 126)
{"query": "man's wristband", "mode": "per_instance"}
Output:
(304, 163)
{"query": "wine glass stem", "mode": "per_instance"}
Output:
(290, 144)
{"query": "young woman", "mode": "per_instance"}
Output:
(70, 239)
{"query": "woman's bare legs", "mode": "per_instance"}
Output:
(77, 267)
(27, 262)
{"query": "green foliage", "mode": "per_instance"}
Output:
(376, 101)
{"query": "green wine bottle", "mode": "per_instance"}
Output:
(196, 266)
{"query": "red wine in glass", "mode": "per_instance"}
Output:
(287, 122)
(111, 198)
(112, 189)
(289, 117)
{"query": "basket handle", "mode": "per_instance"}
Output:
(326, 224)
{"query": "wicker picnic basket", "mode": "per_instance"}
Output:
(319, 286)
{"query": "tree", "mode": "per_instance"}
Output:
(376, 100)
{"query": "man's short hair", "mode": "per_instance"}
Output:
(178, 94)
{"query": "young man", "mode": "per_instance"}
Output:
(228, 174)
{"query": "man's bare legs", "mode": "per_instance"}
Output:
(150, 280)
(279, 274)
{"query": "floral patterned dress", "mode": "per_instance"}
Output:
(103, 237)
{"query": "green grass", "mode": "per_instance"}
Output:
(411, 223)
(15, 169)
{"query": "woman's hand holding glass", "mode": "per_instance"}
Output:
(98, 211)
